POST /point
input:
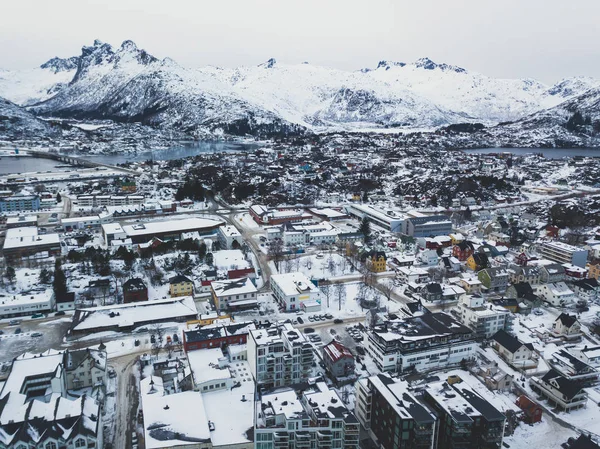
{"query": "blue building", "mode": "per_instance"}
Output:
(18, 203)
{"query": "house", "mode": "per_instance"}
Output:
(583, 442)
(560, 392)
(594, 270)
(65, 301)
(556, 294)
(409, 275)
(375, 261)
(135, 290)
(531, 275)
(514, 352)
(587, 289)
(294, 291)
(566, 326)
(484, 318)
(553, 272)
(574, 369)
(234, 294)
(432, 292)
(428, 257)
(495, 378)
(463, 250)
(510, 304)
(521, 291)
(180, 285)
(86, 368)
(470, 283)
(478, 261)
(532, 412)
(573, 272)
(339, 361)
(450, 263)
(229, 237)
(494, 279)
(589, 354)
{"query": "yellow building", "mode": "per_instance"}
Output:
(477, 261)
(180, 286)
(456, 238)
(594, 271)
(376, 261)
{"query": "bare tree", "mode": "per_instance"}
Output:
(276, 251)
(331, 265)
(387, 288)
(158, 333)
(327, 291)
(340, 294)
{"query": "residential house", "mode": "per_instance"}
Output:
(478, 261)
(295, 291)
(180, 285)
(531, 275)
(234, 294)
(495, 378)
(566, 326)
(589, 354)
(494, 279)
(560, 392)
(587, 289)
(583, 442)
(463, 250)
(552, 273)
(522, 291)
(574, 369)
(339, 361)
(484, 318)
(375, 261)
(514, 352)
(594, 270)
(135, 290)
(556, 294)
(431, 292)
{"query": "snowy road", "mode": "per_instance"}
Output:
(127, 399)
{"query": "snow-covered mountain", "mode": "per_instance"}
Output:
(17, 123)
(128, 84)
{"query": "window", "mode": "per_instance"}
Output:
(50, 445)
(80, 442)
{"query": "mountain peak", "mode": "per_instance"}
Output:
(129, 45)
(389, 64)
(269, 64)
(428, 64)
(57, 64)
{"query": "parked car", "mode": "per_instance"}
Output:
(37, 315)
(14, 322)
(329, 316)
(36, 334)
(338, 321)
(300, 320)
(18, 330)
(308, 330)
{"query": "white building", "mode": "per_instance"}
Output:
(227, 235)
(279, 356)
(319, 420)
(38, 411)
(234, 294)
(112, 231)
(564, 253)
(291, 290)
(484, 318)
(27, 303)
(423, 343)
(557, 294)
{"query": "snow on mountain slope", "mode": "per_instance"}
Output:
(25, 87)
(128, 84)
(16, 123)
(472, 94)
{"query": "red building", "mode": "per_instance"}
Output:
(532, 412)
(241, 273)
(463, 250)
(217, 336)
(134, 290)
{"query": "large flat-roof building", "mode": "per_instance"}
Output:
(293, 290)
(16, 203)
(430, 341)
(390, 220)
(26, 242)
(27, 303)
(420, 225)
(234, 294)
(564, 253)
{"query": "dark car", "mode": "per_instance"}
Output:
(18, 330)
(338, 321)
(60, 313)
(300, 320)
(308, 330)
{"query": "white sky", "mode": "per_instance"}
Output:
(543, 39)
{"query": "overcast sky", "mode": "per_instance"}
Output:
(543, 39)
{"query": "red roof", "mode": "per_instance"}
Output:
(336, 351)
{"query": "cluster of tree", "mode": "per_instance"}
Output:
(464, 128)
(97, 258)
(577, 122)
(60, 280)
(566, 215)
(192, 189)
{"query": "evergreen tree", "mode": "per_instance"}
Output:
(365, 229)
(60, 280)
(11, 275)
(45, 276)
(58, 198)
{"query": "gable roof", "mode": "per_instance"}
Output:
(567, 387)
(336, 351)
(178, 279)
(566, 319)
(510, 342)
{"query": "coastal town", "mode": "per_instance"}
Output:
(335, 292)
